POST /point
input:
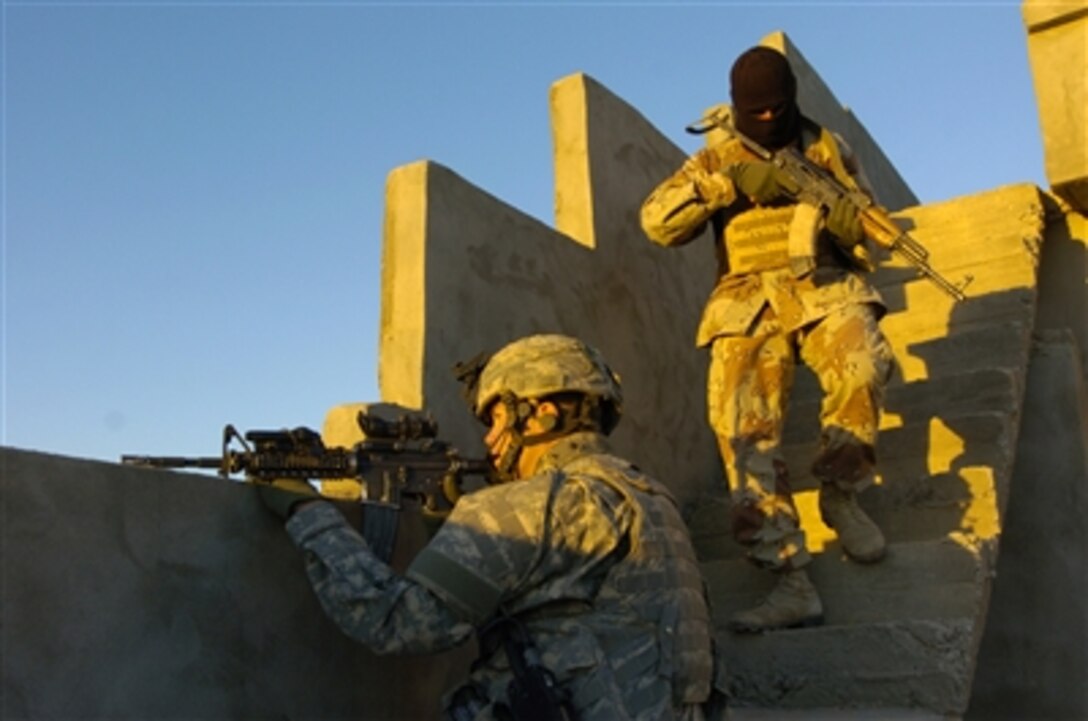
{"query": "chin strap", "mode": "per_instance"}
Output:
(516, 412)
(519, 410)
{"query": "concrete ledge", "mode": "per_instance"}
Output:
(918, 665)
(1059, 64)
(928, 580)
(1033, 655)
(136, 594)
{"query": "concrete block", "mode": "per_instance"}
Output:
(924, 580)
(1033, 655)
(993, 236)
(993, 389)
(934, 443)
(1003, 346)
(142, 594)
(920, 665)
(464, 273)
(1063, 274)
(1059, 64)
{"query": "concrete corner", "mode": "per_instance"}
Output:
(1058, 50)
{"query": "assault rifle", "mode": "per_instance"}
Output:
(400, 460)
(821, 189)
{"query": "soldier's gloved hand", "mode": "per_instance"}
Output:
(844, 222)
(284, 494)
(761, 181)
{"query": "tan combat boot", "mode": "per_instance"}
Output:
(860, 537)
(793, 602)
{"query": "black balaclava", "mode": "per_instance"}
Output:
(761, 78)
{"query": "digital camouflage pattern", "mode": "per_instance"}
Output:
(363, 596)
(590, 554)
(540, 365)
(761, 316)
(595, 559)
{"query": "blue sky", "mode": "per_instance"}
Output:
(193, 191)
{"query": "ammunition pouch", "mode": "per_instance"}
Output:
(758, 240)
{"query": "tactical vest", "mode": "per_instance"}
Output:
(660, 581)
(763, 238)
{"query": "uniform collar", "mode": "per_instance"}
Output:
(569, 448)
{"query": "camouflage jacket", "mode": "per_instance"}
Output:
(699, 195)
(589, 554)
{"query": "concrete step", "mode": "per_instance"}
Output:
(921, 580)
(928, 509)
(925, 446)
(937, 318)
(936, 477)
(983, 346)
(978, 390)
(900, 665)
(994, 279)
(900, 633)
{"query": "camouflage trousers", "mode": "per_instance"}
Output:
(748, 389)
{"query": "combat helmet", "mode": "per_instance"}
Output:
(544, 365)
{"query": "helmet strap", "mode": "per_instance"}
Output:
(516, 411)
(553, 426)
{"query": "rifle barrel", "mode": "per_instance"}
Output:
(171, 462)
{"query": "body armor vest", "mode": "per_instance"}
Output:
(660, 581)
(762, 238)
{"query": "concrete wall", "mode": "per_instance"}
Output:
(132, 594)
(464, 272)
(1059, 62)
(1034, 655)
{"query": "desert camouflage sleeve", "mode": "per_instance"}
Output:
(363, 596)
(677, 210)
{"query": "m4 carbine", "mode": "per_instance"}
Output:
(821, 189)
(398, 460)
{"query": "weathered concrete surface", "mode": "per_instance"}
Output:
(465, 273)
(141, 594)
(462, 272)
(946, 455)
(1033, 657)
(1058, 50)
(1063, 282)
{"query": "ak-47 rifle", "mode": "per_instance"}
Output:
(398, 460)
(821, 189)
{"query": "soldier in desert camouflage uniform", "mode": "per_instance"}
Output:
(788, 289)
(579, 550)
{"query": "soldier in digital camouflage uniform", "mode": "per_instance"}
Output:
(581, 550)
(789, 289)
